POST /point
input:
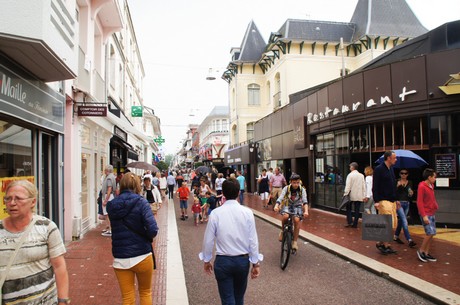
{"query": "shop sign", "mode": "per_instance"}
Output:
(92, 111)
(136, 111)
(299, 133)
(328, 112)
(31, 100)
(120, 133)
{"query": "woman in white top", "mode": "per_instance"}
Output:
(163, 186)
(369, 200)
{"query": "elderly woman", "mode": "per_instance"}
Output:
(38, 272)
(133, 230)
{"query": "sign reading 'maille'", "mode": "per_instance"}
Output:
(13, 91)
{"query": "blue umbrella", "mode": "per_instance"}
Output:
(406, 159)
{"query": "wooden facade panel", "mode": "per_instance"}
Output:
(353, 92)
(408, 81)
(277, 147)
(334, 99)
(377, 86)
(287, 145)
(267, 129)
(287, 119)
(277, 123)
(258, 130)
(440, 65)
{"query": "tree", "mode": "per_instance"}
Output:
(162, 166)
(168, 158)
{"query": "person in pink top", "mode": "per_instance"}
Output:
(427, 207)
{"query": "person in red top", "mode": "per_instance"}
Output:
(183, 192)
(427, 207)
(196, 210)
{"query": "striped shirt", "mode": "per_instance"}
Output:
(31, 278)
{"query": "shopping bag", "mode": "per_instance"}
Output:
(345, 201)
(377, 227)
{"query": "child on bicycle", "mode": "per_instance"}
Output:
(293, 199)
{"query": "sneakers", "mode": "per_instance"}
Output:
(280, 236)
(389, 250)
(421, 256)
(429, 258)
(182, 217)
(186, 216)
(294, 245)
(107, 233)
(381, 247)
(412, 243)
(398, 240)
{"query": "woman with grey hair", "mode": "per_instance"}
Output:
(32, 265)
(109, 186)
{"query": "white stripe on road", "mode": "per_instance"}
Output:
(176, 290)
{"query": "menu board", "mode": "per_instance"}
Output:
(446, 166)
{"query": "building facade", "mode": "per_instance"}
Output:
(408, 99)
(214, 137)
(37, 54)
(303, 54)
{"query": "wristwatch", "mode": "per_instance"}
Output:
(65, 300)
(255, 265)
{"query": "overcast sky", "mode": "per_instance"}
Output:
(180, 40)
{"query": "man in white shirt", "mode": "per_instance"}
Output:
(355, 187)
(232, 228)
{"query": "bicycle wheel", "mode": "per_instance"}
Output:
(286, 245)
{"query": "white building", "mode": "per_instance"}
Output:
(306, 53)
(214, 136)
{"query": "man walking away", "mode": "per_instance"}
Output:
(355, 187)
(235, 252)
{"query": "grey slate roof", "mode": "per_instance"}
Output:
(219, 111)
(442, 38)
(317, 30)
(385, 18)
(253, 44)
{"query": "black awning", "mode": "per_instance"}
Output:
(132, 154)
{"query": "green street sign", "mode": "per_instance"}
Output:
(136, 111)
(159, 140)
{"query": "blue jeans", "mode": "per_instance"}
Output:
(402, 220)
(357, 206)
(232, 278)
(241, 196)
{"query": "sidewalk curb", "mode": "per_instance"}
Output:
(176, 289)
(430, 291)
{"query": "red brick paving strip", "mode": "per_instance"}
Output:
(89, 263)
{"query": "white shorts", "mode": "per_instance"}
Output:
(264, 196)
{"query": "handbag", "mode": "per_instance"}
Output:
(377, 227)
(345, 200)
(16, 250)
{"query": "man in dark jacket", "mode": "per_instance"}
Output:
(384, 192)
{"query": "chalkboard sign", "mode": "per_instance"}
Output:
(446, 166)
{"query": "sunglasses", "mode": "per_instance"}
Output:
(404, 173)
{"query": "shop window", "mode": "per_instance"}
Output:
(341, 142)
(359, 139)
(15, 151)
(438, 130)
(398, 138)
(388, 134)
(377, 132)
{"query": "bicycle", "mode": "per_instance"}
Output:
(286, 243)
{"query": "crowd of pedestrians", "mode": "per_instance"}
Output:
(128, 205)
